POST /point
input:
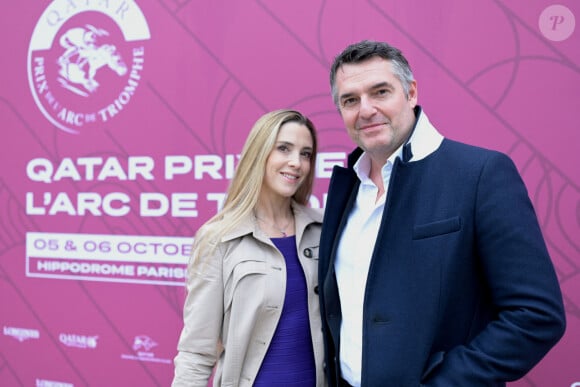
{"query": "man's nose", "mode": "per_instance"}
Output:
(367, 107)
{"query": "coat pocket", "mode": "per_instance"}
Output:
(246, 268)
(244, 275)
(440, 227)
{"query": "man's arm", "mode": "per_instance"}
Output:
(523, 286)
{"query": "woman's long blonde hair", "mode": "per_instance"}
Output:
(245, 187)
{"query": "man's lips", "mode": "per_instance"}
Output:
(371, 126)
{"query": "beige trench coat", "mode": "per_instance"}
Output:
(237, 301)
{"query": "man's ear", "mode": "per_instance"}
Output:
(412, 97)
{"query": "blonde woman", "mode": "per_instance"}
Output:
(251, 312)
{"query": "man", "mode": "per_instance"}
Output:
(433, 269)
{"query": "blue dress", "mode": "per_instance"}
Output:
(290, 357)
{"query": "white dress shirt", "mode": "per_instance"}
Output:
(357, 243)
(353, 260)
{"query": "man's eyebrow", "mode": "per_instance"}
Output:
(373, 87)
(381, 85)
(345, 95)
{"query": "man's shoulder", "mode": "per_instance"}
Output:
(454, 148)
(468, 157)
(459, 146)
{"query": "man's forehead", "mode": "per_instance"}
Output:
(369, 66)
(365, 76)
(372, 61)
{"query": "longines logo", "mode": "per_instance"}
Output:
(52, 383)
(85, 61)
(21, 334)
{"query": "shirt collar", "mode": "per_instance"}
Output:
(424, 140)
(363, 166)
(303, 216)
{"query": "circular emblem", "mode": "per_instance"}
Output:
(557, 22)
(85, 61)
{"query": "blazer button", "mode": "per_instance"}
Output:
(316, 289)
(308, 253)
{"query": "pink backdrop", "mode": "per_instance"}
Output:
(106, 175)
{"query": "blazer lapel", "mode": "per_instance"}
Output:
(344, 186)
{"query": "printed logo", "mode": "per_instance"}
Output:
(78, 341)
(52, 383)
(557, 22)
(21, 334)
(85, 61)
(142, 345)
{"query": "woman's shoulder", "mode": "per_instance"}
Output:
(314, 214)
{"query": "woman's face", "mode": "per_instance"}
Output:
(289, 162)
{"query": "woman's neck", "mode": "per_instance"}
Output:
(275, 220)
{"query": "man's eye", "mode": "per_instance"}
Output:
(349, 102)
(382, 92)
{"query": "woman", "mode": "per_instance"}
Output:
(251, 312)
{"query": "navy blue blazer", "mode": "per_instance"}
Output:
(461, 290)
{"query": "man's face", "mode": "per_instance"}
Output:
(376, 112)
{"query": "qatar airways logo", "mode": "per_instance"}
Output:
(85, 61)
(78, 341)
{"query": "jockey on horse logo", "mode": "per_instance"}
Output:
(83, 58)
(85, 61)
